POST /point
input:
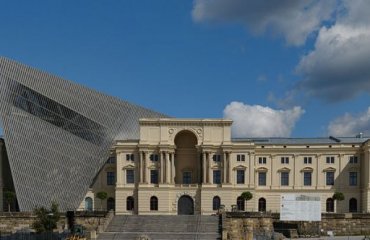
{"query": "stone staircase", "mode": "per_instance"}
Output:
(162, 227)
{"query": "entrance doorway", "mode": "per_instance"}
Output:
(185, 206)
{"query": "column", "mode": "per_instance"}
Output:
(119, 168)
(124, 177)
(173, 173)
(204, 166)
(224, 164)
(168, 168)
(199, 172)
(229, 173)
(146, 169)
(139, 167)
(252, 172)
(161, 158)
(210, 158)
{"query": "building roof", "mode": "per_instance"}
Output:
(323, 140)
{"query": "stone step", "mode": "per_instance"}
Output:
(158, 236)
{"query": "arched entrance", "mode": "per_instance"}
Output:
(187, 162)
(185, 206)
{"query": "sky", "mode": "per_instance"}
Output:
(277, 68)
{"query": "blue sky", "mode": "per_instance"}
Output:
(297, 68)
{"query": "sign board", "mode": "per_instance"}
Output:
(300, 207)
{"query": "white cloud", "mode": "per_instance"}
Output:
(349, 125)
(294, 20)
(259, 121)
(338, 67)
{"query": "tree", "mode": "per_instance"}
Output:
(247, 196)
(102, 196)
(338, 196)
(9, 198)
(46, 220)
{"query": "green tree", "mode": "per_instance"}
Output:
(9, 197)
(46, 219)
(102, 196)
(246, 196)
(338, 196)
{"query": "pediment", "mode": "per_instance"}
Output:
(329, 169)
(240, 167)
(307, 169)
(261, 169)
(284, 169)
(130, 166)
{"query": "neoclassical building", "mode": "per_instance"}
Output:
(193, 166)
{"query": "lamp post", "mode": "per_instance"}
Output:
(50, 215)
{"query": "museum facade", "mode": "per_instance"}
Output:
(193, 166)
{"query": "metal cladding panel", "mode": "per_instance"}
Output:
(58, 134)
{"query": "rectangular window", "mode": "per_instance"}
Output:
(130, 157)
(284, 160)
(307, 160)
(186, 178)
(216, 177)
(262, 160)
(307, 178)
(330, 160)
(329, 178)
(111, 160)
(110, 178)
(154, 176)
(353, 159)
(154, 157)
(284, 178)
(217, 158)
(262, 179)
(353, 178)
(240, 176)
(130, 176)
(240, 157)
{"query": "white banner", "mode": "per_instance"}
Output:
(300, 207)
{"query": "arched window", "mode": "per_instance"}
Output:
(130, 203)
(88, 204)
(329, 205)
(240, 203)
(216, 203)
(111, 204)
(262, 205)
(353, 205)
(154, 203)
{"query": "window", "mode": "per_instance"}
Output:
(130, 157)
(353, 205)
(329, 205)
(284, 160)
(307, 160)
(110, 178)
(154, 157)
(186, 178)
(111, 204)
(240, 176)
(153, 203)
(240, 203)
(329, 178)
(240, 157)
(284, 178)
(216, 203)
(307, 178)
(353, 178)
(262, 160)
(111, 160)
(262, 178)
(330, 160)
(130, 176)
(353, 159)
(216, 176)
(130, 203)
(88, 204)
(154, 176)
(217, 158)
(262, 205)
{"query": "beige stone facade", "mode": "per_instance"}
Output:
(179, 164)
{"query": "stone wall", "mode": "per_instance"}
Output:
(22, 221)
(238, 225)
